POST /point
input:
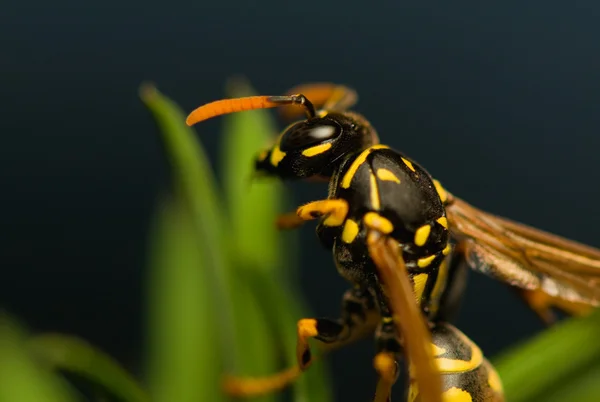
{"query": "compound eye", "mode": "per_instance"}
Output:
(309, 133)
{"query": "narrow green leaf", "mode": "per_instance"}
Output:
(195, 182)
(551, 358)
(185, 366)
(253, 205)
(581, 387)
(266, 254)
(21, 378)
(74, 355)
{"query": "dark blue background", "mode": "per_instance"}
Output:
(499, 101)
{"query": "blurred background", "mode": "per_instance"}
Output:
(498, 101)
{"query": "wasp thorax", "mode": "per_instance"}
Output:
(313, 147)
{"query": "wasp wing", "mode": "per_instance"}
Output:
(524, 256)
(408, 318)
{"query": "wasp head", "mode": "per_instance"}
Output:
(316, 146)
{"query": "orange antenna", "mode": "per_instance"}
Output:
(226, 106)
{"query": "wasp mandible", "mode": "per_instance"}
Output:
(402, 240)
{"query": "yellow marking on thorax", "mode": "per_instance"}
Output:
(447, 249)
(494, 380)
(425, 261)
(374, 192)
(439, 286)
(322, 113)
(377, 222)
(316, 150)
(456, 395)
(387, 175)
(350, 231)
(420, 281)
(458, 366)
(422, 234)
(443, 221)
(408, 164)
(276, 155)
(360, 159)
(440, 190)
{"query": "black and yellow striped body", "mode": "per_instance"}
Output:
(374, 189)
(467, 376)
(382, 185)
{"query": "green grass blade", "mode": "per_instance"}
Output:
(254, 245)
(195, 182)
(582, 387)
(74, 355)
(22, 379)
(266, 254)
(185, 365)
(550, 359)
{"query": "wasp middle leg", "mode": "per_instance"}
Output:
(359, 317)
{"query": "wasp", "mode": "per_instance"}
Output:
(404, 242)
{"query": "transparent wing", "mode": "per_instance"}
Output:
(524, 256)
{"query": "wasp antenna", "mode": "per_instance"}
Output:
(227, 106)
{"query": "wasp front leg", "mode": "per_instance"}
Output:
(334, 211)
(359, 317)
(466, 373)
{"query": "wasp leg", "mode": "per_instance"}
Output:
(542, 304)
(335, 210)
(288, 221)
(388, 349)
(359, 317)
(466, 374)
(325, 96)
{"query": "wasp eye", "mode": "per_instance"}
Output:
(308, 133)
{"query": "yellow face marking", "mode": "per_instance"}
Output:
(387, 320)
(408, 164)
(350, 231)
(447, 249)
(422, 234)
(443, 221)
(456, 395)
(276, 155)
(494, 379)
(460, 366)
(425, 261)
(440, 190)
(437, 351)
(316, 150)
(420, 281)
(377, 222)
(387, 175)
(360, 159)
(374, 191)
